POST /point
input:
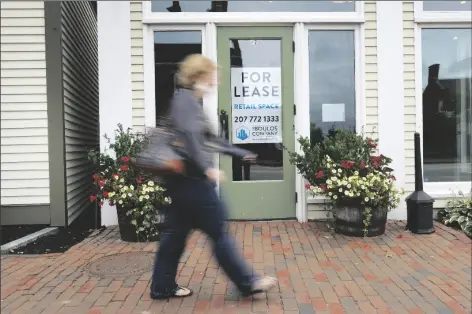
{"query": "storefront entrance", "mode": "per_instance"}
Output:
(256, 109)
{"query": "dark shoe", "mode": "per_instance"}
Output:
(179, 292)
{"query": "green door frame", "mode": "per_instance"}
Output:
(260, 200)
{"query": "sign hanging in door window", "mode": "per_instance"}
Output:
(256, 95)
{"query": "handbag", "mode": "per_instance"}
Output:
(164, 145)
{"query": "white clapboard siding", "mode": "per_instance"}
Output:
(80, 87)
(137, 65)
(371, 94)
(409, 83)
(24, 121)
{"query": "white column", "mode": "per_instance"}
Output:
(302, 101)
(391, 90)
(114, 57)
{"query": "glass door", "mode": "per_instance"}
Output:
(257, 111)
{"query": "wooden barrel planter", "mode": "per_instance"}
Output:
(349, 220)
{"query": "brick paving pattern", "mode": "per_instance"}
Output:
(319, 273)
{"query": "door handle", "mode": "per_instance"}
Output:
(224, 124)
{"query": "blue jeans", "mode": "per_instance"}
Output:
(195, 205)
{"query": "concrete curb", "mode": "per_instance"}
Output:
(27, 239)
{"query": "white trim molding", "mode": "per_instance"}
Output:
(114, 55)
(391, 90)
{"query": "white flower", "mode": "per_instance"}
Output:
(335, 197)
(122, 180)
(146, 197)
(330, 193)
(356, 173)
(346, 192)
(366, 199)
(140, 198)
(131, 187)
(339, 170)
(340, 190)
(333, 170)
(123, 195)
(329, 181)
(349, 186)
(125, 188)
(129, 194)
(120, 202)
(150, 183)
(166, 200)
(334, 179)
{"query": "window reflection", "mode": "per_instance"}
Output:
(170, 48)
(332, 82)
(252, 6)
(431, 5)
(447, 101)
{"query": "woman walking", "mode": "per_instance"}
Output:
(195, 204)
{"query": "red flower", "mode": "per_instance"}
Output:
(115, 175)
(307, 186)
(124, 167)
(371, 143)
(100, 204)
(324, 188)
(394, 178)
(140, 180)
(95, 177)
(347, 164)
(101, 183)
(93, 198)
(319, 174)
(125, 159)
(105, 194)
(362, 165)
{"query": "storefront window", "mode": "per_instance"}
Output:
(332, 82)
(446, 77)
(252, 6)
(431, 5)
(170, 48)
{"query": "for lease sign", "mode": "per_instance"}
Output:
(256, 98)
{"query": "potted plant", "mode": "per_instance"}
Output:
(344, 168)
(139, 200)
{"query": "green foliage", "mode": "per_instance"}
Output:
(123, 185)
(458, 212)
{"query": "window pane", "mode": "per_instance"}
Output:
(447, 5)
(446, 69)
(256, 117)
(252, 6)
(332, 82)
(170, 48)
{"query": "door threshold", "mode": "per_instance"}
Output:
(262, 220)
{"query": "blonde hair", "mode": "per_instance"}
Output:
(193, 68)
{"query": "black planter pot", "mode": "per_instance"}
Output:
(127, 230)
(349, 220)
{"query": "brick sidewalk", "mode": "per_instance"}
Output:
(319, 273)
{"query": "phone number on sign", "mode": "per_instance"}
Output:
(256, 119)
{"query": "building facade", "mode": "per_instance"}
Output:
(49, 110)
(385, 68)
